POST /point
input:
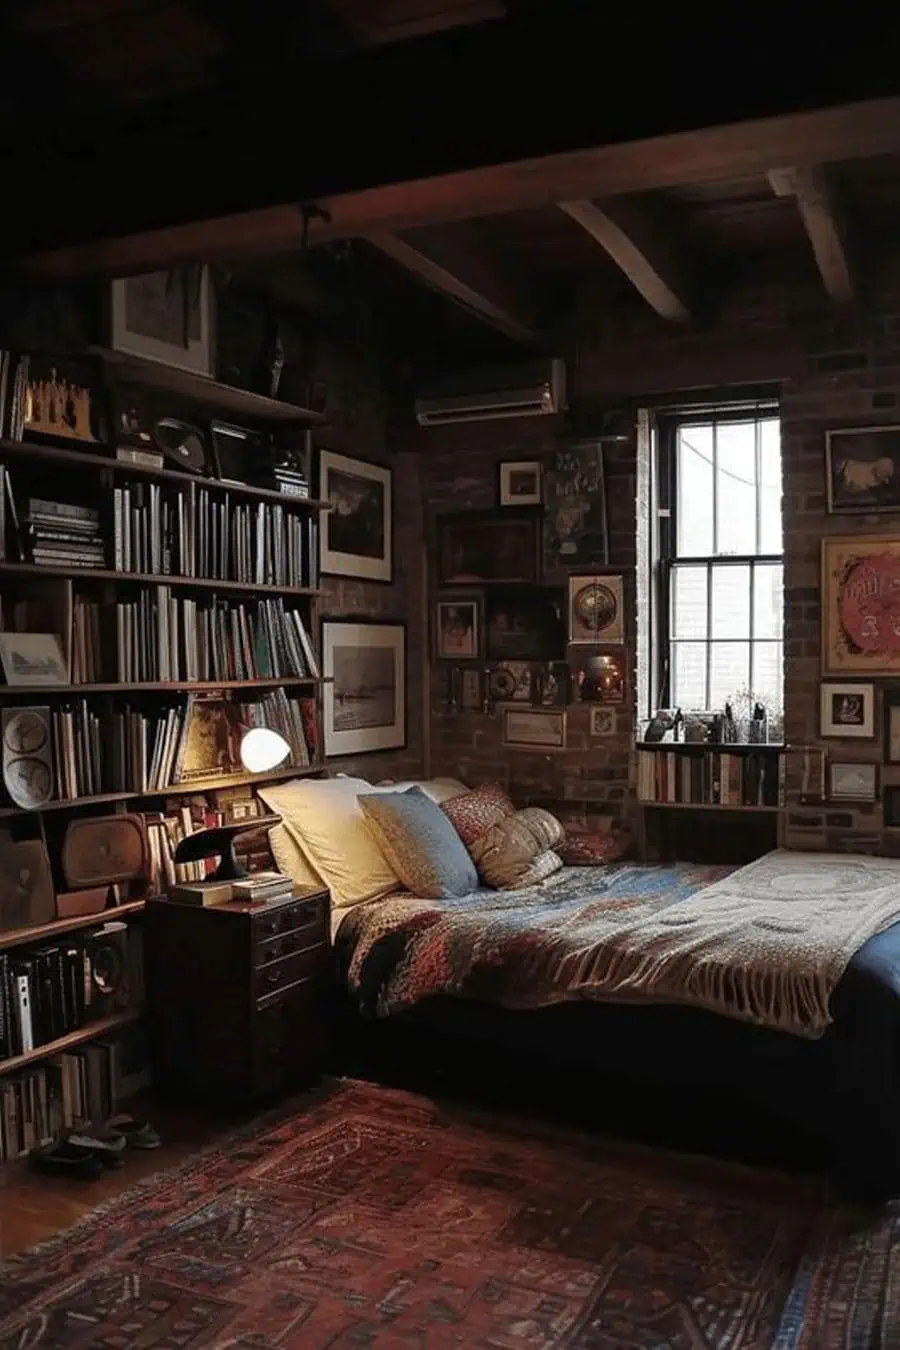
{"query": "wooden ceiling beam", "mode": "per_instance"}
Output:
(824, 223)
(454, 266)
(644, 253)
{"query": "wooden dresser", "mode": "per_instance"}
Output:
(238, 995)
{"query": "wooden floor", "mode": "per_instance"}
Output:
(34, 1207)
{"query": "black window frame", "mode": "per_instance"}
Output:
(667, 559)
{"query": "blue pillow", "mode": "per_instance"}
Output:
(420, 843)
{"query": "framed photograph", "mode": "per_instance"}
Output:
(603, 721)
(891, 806)
(486, 546)
(848, 710)
(357, 533)
(891, 719)
(534, 729)
(862, 466)
(595, 609)
(470, 696)
(575, 496)
(62, 400)
(861, 605)
(33, 658)
(552, 685)
(601, 676)
(166, 317)
(852, 782)
(365, 706)
(525, 623)
(520, 482)
(457, 629)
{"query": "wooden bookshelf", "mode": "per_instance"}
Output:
(44, 932)
(723, 748)
(81, 459)
(182, 789)
(161, 686)
(707, 806)
(151, 578)
(102, 1027)
(204, 389)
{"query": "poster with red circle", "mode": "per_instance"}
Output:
(861, 619)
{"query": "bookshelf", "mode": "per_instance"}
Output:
(156, 580)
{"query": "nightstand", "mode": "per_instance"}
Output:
(238, 994)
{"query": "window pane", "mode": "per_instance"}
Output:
(736, 487)
(731, 601)
(695, 494)
(770, 486)
(689, 602)
(689, 675)
(768, 675)
(768, 600)
(729, 673)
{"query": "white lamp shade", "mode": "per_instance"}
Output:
(263, 749)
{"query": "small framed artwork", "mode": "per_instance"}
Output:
(552, 684)
(511, 682)
(595, 609)
(33, 658)
(848, 710)
(861, 605)
(601, 675)
(891, 805)
(525, 623)
(356, 534)
(534, 729)
(365, 705)
(863, 469)
(576, 525)
(166, 317)
(520, 482)
(852, 782)
(488, 546)
(470, 696)
(891, 719)
(603, 721)
(457, 629)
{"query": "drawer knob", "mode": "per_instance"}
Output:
(273, 978)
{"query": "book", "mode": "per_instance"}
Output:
(202, 893)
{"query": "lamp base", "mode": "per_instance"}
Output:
(229, 869)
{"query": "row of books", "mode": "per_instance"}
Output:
(708, 778)
(61, 534)
(97, 749)
(164, 637)
(65, 1093)
(13, 391)
(193, 532)
(48, 991)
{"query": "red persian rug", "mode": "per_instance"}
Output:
(368, 1219)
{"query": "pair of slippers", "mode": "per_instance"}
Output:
(88, 1154)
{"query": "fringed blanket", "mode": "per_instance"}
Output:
(766, 943)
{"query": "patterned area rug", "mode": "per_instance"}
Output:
(368, 1219)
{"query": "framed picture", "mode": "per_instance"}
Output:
(520, 482)
(486, 546)
(33, 658)
(552, 684)
(575, 495)
(365, 705)
(166, 317)
(357, 533)
(62, 399)
(595, 609)
(525, 623)
(848, 710)
(470, 695)
(862, 466)
(861, 605)
(891, 805)
(457, 629)
(534, 729)
(852, 782)
(603, 721)
(601, 675)
(891, 719)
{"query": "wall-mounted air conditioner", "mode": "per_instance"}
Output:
(531, 389)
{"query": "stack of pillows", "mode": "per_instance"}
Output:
(436, 839)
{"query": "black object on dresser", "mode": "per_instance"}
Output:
(238, 995)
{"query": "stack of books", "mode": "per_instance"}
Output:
(264, 886)
(62, 534)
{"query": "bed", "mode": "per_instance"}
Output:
(841, 1087)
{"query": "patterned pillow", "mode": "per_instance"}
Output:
(420, 843)
(518, 850)
(585, 848)
(473, 813)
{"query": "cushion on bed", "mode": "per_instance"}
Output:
(474, 812)
(518, 850)
(290, 858)
(420, 843)
(594, 848)
(324, 820)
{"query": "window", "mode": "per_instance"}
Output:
(720, 573)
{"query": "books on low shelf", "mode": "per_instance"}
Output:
(708, 778)
(64, 1093)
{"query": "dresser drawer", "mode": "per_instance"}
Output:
(298, 923)
(290, 969)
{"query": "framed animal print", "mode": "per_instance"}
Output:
(356, 535)
(863, 469)
(861, 605)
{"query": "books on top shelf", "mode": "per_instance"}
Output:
(716, 778)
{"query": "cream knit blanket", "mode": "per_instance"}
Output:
(767, 944)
